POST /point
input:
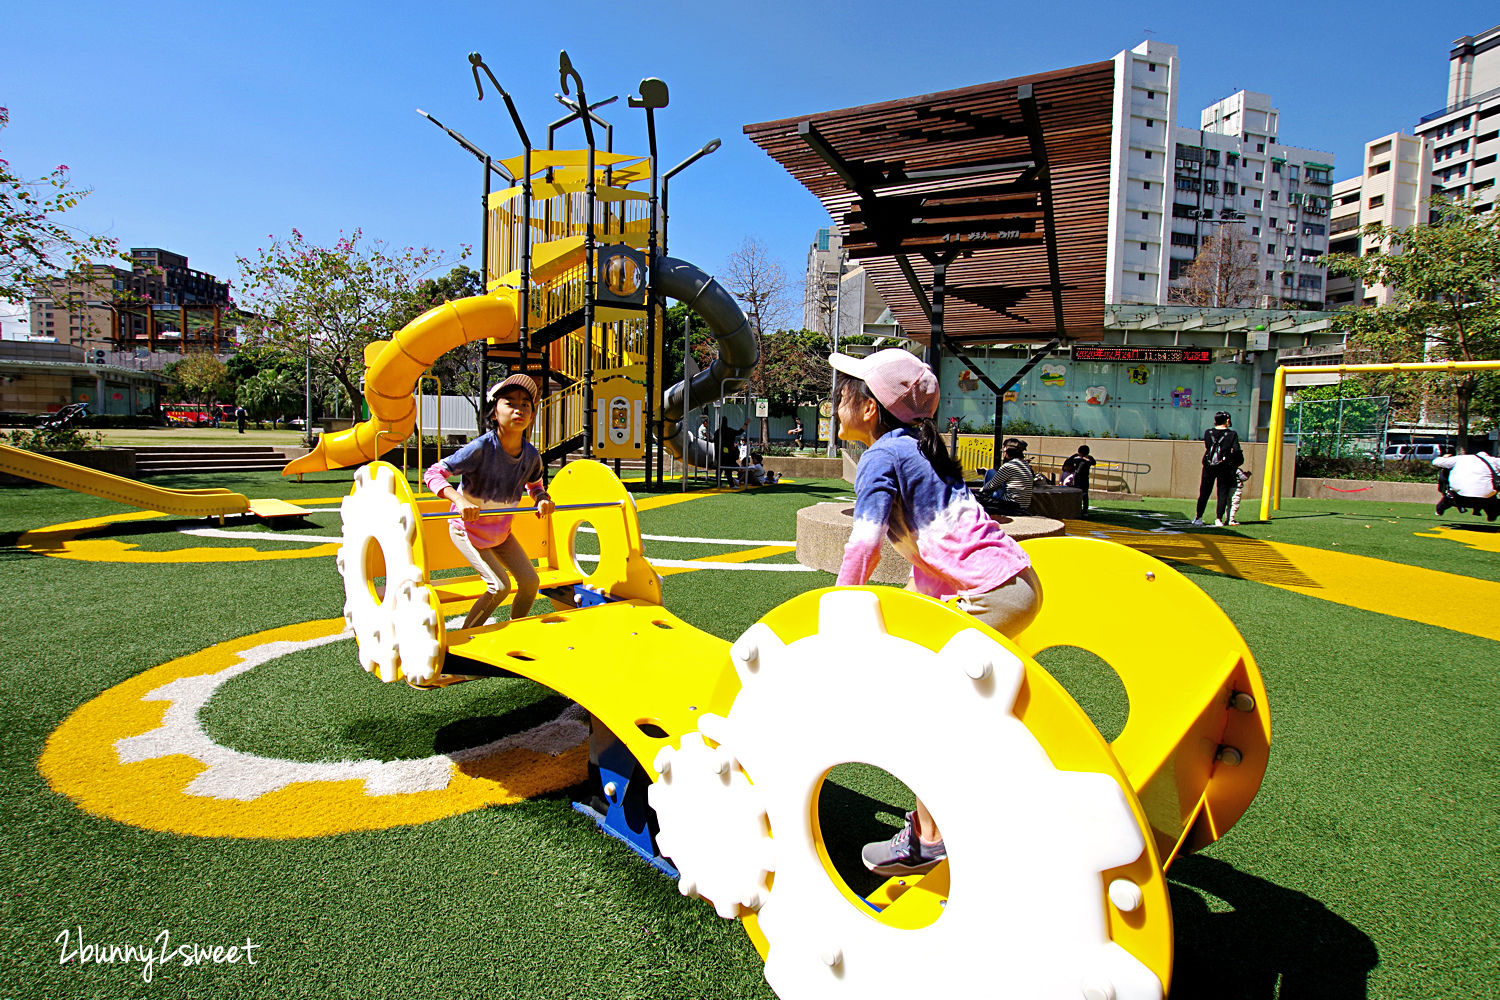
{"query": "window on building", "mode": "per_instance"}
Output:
(1377, 201)
(1254, 230)
(1275, 195)
(1286, 278)
(1310, 281)
(1314, 229)
(1151, 67)
(1140, 277)
(1148, 154)
(1143, 246)
(1150, 95)
(1378, 169)
(1275, 222)
(1270, 248)
(1270, 275)
(1256, 203)
(1292, 172)
(1146, 185)
(1151, 123)
(1231, 188)
(1146, 216)
(1232, 159)
(1275, 168)
(1260, 147)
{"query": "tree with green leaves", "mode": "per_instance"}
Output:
(202, 378)
(328, 303)
(1446, 303)
(270, 394)
(35, 244)
(458, 370)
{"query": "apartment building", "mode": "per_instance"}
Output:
(838, 292)
(1465, 133)
(1394, 188)
(110, 308)
(1172, 186)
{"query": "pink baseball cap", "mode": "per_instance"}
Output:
(900, 381)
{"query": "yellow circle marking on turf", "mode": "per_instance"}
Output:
(65, 541)
(124, 756)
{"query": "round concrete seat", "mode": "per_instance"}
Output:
(823, 530)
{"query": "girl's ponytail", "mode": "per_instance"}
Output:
(930, 441)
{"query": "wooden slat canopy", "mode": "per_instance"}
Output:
(957, 171)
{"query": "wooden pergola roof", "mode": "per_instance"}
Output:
(966, 172)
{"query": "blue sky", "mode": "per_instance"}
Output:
(204, 128)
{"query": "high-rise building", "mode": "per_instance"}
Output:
(1393, 187)
(1465, 133)
(1171, 187)
(109, 307)
(839, 292)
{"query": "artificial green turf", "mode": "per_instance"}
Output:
(1379, 530)
(1366, 866)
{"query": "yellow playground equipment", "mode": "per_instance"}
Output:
(218, 503)
(575, 280)
(710, 756)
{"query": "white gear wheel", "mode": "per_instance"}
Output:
(1026, 911)
(419, 648)
(719, 836)
(374, 512)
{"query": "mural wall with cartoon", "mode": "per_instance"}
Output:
(1119, 399)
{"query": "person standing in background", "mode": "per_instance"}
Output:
(1222, 455)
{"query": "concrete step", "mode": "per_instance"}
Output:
(167, 459)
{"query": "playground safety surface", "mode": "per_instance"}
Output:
(1361, 870)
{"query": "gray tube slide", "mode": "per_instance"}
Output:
(738, 353)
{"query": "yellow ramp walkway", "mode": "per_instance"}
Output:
(630, 663)
(107, 486)
(1432, 597)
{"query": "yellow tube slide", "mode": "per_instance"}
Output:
(392, 368)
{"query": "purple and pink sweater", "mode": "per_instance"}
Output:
(954, 547)
(492, 477)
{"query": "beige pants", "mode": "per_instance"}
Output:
(1010, 607)
(496, 567)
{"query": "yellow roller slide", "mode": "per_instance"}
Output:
(106, 486)
(392, 369)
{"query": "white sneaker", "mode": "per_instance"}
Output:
(1218, 523)
(1198, 521)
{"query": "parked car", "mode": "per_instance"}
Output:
(1424, 452)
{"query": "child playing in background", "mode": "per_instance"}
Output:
(496, 468)
(1241, 477)
(909, 489)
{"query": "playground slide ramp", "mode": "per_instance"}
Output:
(394, 366)
(133, 493)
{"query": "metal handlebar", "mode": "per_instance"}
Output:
(523, 510)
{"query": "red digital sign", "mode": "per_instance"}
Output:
(1159, 355)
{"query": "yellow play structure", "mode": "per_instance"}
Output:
(568, 270)
(218, 503)
(1270, 497)
(713, 754)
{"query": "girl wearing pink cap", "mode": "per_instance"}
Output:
(496, 468)
(909, 489)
